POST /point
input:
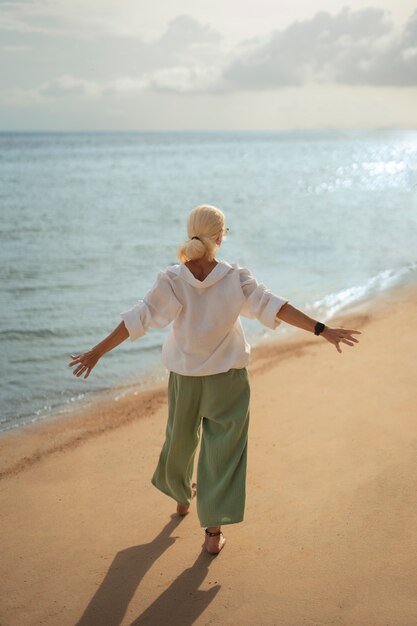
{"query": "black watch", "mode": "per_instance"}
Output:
(319, 327)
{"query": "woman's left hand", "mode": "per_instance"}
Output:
(336, 336)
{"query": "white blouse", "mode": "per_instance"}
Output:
(206, 336)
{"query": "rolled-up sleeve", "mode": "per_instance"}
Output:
(157, 309)
(260, 303)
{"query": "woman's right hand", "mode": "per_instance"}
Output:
(85, 362)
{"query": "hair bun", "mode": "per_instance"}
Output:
(208, 221)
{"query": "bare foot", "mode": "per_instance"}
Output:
(183, 509)
(215, 540)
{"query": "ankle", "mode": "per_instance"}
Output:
(215, 539)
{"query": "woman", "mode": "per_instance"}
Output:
(206, 354)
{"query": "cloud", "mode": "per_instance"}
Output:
(184, 31)
(69, 86)
(177, 79)
(355, 48)
(71, 18)
(392, 63)
(348, 48)
(124, 85)
(195, 79)
(186, 59)
(32, 16)
(72, 87)
(99, 18)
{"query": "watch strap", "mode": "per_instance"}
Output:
(319, 327)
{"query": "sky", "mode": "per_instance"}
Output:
(189, 64)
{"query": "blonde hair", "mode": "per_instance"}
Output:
(205, 222)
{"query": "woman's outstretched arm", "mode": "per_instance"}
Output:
(295, 317)
(87, 360)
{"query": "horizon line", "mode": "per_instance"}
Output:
(205, 130)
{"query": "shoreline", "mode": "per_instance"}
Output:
(329, 528)
(25, 445)
(335, 304)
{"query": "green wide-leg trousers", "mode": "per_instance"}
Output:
(217, 408)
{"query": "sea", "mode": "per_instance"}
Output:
(324, 218)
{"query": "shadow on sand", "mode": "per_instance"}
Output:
(181, 603)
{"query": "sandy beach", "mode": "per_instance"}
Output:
(329, 536)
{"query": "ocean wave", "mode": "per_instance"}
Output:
(21, 334)
(333, 303)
